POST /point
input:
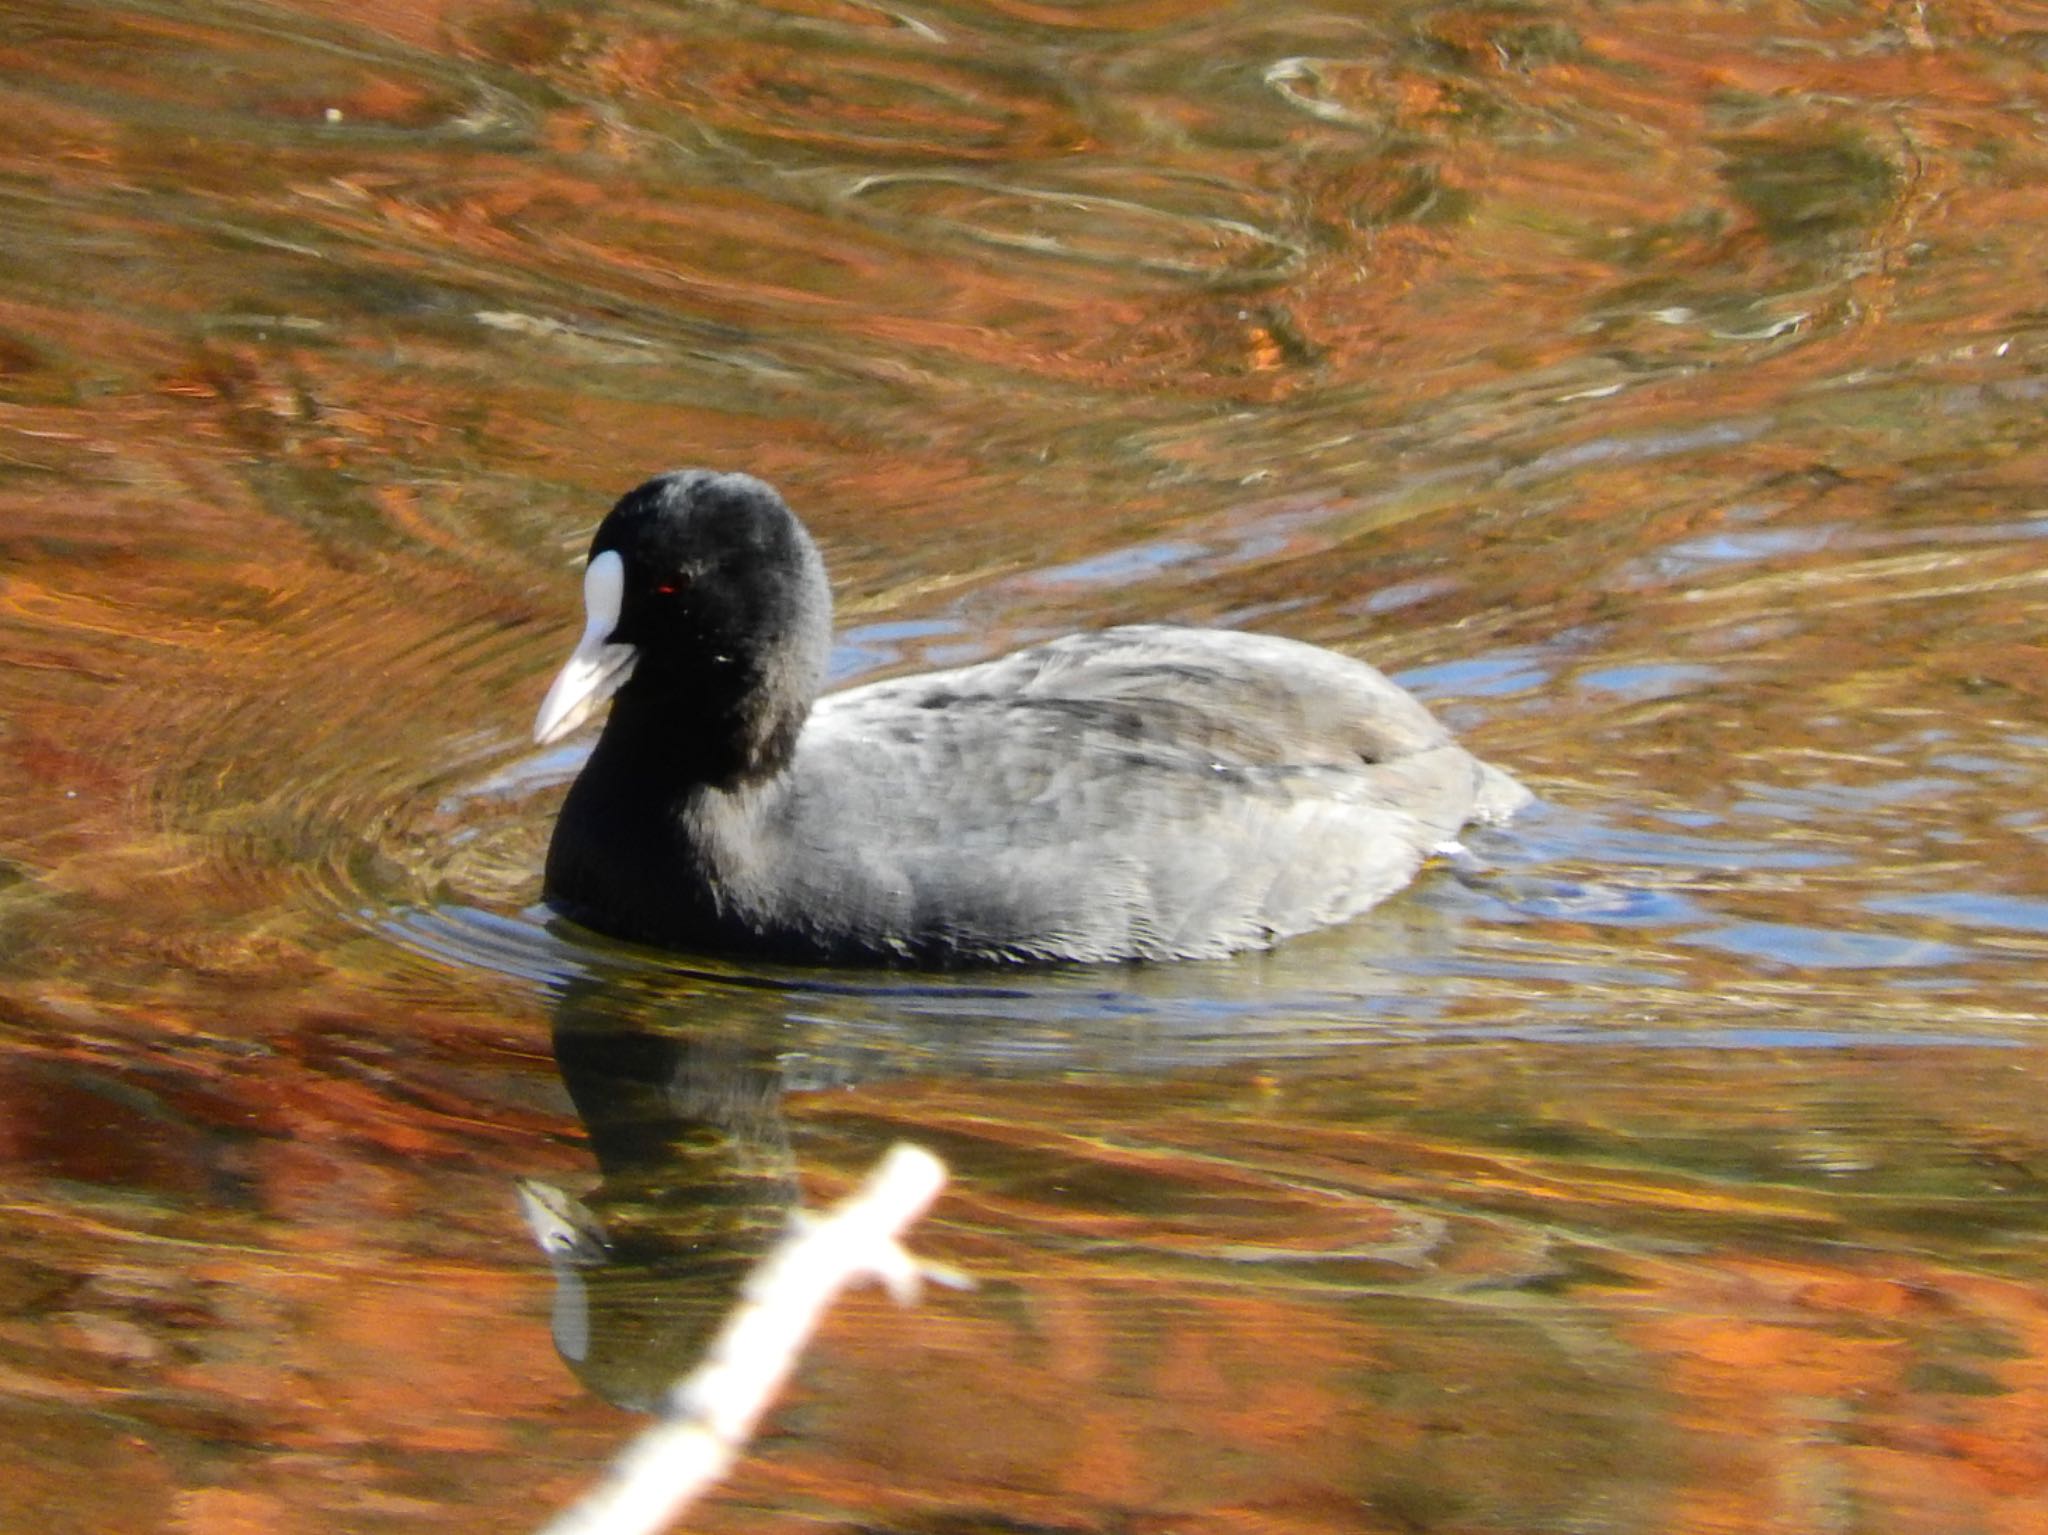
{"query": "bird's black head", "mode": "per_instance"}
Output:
(707, 614)
(718, 574)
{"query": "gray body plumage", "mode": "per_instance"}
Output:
(1135, 793)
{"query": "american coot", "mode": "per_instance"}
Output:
(1136, 793)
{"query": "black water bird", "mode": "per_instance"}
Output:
(1137, 793)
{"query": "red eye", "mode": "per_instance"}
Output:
(671, 586)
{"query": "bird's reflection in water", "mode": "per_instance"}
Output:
(678, 1075)
(696, 1184)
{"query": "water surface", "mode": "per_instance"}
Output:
(1656, 390)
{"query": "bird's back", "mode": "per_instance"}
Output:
(1144, 792)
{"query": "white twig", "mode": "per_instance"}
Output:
(709, 1415)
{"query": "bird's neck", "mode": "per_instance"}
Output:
(665, 835)
(671, 742)
(663, 820)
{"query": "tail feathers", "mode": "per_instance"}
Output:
(1499, 796)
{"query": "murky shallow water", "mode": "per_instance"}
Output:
(1656, 391)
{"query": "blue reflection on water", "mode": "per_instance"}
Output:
(1969, 908)
(867, 647)
(1826, 801)
(1801, 947)
(1490, 676)
(1120, 565)
(1649, 679)
(1694, 556)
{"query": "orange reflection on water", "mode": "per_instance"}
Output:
(1658, 388)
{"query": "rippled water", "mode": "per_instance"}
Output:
(1657, 390)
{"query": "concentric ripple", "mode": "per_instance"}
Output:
(402, 799)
